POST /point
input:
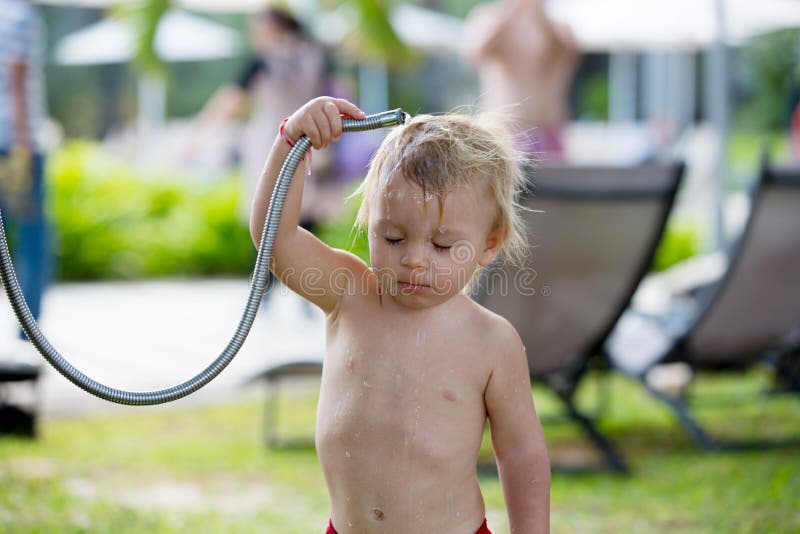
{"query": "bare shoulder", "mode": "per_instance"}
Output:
(495, 330)
(355, 283)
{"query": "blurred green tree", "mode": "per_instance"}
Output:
(375, 39)
(769, 68)
(143, 18)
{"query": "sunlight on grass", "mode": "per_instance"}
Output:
(206, 469)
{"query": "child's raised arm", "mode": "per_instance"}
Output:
(300, 260)
(517, 438)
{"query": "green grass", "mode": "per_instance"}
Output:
(205, 469)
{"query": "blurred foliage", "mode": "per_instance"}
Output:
(143, 17)
(592, 100)
(342, 234)
(745, 151)
(680, 242)
(458, 8)
(192, 84)
(768, 71)
(375, 36)
(112, 223)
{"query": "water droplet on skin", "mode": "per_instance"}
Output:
(347, 454)
(366, 384)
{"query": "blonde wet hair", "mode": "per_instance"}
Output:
(440, 153)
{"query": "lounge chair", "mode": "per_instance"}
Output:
(273, 377)
(15, 418)
(751, 314)
(594, 234)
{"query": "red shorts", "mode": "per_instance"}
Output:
(483, 530)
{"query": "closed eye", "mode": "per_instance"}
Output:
(392, 241)
(442, 248)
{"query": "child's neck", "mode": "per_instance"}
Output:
(389, 303)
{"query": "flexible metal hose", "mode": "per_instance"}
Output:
(258, 286)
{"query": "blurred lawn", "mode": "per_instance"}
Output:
(205, 470)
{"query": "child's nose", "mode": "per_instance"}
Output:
(414, 256)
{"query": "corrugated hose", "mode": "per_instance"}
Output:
(258, 285)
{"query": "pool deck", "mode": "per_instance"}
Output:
(147, 335)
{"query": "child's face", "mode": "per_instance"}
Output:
(424, 256)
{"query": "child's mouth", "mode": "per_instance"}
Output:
(405, 286)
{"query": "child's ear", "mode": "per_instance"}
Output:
(492, 246)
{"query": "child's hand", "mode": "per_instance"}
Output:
(321, 120)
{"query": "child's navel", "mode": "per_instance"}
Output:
(377, 514)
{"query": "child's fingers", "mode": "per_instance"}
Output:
(324, 128)
(311, 130)
(334, 119)
(348, 108)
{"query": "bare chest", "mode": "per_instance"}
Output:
(402, 395)
(405, 360)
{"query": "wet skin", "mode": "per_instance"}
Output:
(413, 368)
(401, 411)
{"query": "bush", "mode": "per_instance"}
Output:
(767, 74)
(341, 234)
(680, 242)
(111, 223)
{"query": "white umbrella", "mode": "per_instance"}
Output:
(638, 25)
(179, 37)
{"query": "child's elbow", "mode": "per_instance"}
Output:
(532, 456)
(539, 461)
(256, 239)
(537, 468)
(256, 229)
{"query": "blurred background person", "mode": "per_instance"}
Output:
(287, 69)
(22, 115)
(525, 64)
(794, 105)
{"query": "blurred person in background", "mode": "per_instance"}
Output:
(794, 106)
(525, 64)
(287, 69)
(22, 115)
